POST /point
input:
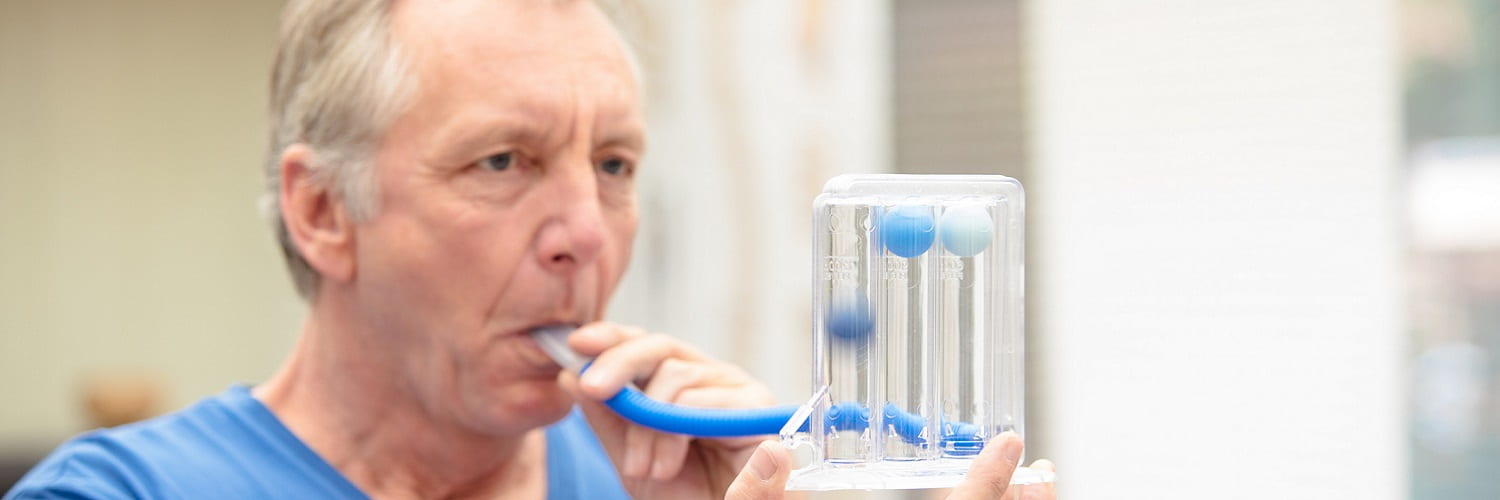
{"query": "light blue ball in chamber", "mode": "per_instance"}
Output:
(907, 231)
(967, 230)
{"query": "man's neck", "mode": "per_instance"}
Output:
(352, 408)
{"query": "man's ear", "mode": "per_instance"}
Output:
(317, 222)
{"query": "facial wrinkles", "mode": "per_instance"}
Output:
(572, 202)
(587, 122)
(613, 118)
(566, 179)
(568, 103)
(525, 102)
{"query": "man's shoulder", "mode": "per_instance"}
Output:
(97, 464)
(218, 445)
(117, 462)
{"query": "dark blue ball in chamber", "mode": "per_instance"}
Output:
(849, 318)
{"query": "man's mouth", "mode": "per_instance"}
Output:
(554, 341)
(536, 355)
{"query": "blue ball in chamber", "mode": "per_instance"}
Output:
(961, 439)
(908, 230)
(848, 416)
(849, 318)
(966, 230)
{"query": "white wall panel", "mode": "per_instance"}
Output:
(1218, 247)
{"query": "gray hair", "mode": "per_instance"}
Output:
(337, 83)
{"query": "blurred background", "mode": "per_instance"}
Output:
(1264, 249)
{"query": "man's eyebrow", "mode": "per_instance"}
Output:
(631, 137)
(480, 134)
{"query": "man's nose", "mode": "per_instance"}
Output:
(574, 235)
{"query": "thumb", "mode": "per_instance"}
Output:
(989, 475)
(764, 476)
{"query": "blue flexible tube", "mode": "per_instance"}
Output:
(636, 407)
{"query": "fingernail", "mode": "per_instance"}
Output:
(593, 377)
(658, 469)
(586, 331)
(1012, 446)
(761, 463)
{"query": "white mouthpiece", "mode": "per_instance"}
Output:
(554, 341)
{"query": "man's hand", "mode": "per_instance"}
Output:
(655, 464)
(661, 465)
(764, 477)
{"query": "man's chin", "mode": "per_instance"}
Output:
(527, 405)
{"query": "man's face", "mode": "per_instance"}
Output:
(507, 201)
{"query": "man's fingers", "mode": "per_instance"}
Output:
(594, 338)
(665, 369)
(671, 377)
(661, 454)
(629, 446)
(1041, 491)
(764, 476)
(631, 360)
(637, 451)
(990, 474)
(666, 459)
(608, 426)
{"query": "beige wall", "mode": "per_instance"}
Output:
(130, 139)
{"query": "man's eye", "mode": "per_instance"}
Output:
(615, 166)
(498, 163)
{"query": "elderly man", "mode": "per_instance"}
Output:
(446, 176)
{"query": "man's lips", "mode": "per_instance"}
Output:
(534, 355)
(527, 351)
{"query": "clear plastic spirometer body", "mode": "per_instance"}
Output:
(917, 328)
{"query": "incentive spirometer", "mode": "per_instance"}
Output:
(916, 332)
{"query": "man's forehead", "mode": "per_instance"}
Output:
(517, 50)
(481, 30)
(487, 67)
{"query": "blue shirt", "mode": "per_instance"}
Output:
(232, 446)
